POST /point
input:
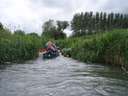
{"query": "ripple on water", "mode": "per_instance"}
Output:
(61, 77)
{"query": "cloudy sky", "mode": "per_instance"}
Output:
(29, 15)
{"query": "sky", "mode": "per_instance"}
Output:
(29, 15)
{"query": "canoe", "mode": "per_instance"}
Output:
(50, 55)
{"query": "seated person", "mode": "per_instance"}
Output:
(50, 46)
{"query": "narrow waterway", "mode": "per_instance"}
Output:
(61, 77)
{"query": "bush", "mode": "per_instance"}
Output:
(110, 47)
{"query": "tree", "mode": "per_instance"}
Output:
(104, 26)
(61, 25)
(4, 32)
(1, 26)
(19, 32)
(52, 29)
(76, 25)
(48, 29)
(84, 25)
(101, 22)
(90, 23)
(59, 35)
(97, 24)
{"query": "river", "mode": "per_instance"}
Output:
(61, 77)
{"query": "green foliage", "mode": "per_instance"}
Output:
(19, 32)
(88, 23)
(54, 30)
(33, 35)
(18, 47)
(61, 25)
(110, 47)
(1, 26)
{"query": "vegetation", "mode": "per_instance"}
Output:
(108, 48)
(17, 47)
(89, 23)
(54, 30)
(97, 38)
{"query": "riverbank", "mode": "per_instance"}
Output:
(107, 48)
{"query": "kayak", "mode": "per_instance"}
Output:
(50, 54)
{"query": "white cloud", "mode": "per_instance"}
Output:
(29, 15)
(25, 14)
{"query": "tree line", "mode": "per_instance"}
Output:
(89, 22)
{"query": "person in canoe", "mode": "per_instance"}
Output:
(51, 50)
(51, 46)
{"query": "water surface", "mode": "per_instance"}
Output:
(61, 77)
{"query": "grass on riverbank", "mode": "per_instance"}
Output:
(17, 48)
(109, 48)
